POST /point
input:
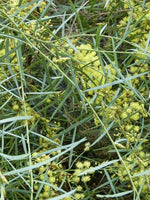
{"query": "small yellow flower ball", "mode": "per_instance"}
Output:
(86, 148)
(135, 117)
(79, 165)
(85, 179)
(77, 171)
(48, 101)
(124, 115)
(82, 196)
(49, 172)
(87, 164)
(16, 107)
(79, 188)
(136, 128)
(77, 196)
(46, 188)
(46, 194)
(36, 187)
(41, 177)
(38, 160)
(52, 179)
(34, 154)
(42, 169)
(129, 110)
(76, 179)
(142, 154)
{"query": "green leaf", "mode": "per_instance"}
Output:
(14, 119)
(115, 195)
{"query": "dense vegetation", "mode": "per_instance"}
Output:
(74, 99)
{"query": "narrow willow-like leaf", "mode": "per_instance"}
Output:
(31, 167)
(9, 157)
(115, 195)
(98, 167)
(63, 195)
(116, 82)
(142, 173)
(13, 119)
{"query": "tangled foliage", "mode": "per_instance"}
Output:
(56, 90)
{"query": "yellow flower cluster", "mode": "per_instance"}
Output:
(54, 173)
(136, 162)
(27, 23)
(95, 74)
(127, 108)
(118, 104)
(134, 111)
(10, 59)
